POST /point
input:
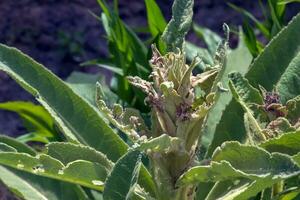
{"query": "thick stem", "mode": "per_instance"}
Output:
(166, 169)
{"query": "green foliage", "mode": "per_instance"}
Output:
(274, 20)
(68, 109)
(38, 122)
(230, 132)
(179, 25)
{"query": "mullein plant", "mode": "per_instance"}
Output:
(177, 115)
(231, 132)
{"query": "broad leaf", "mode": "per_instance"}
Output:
(288, 85)
(32, 187)
(246, 92)
(85, 173)
(68, 152)
(29, 186)
(266, 73)
(233, 161)
(287, 143)
(79, 121)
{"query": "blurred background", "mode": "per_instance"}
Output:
(61, 34)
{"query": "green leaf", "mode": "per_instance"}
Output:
(192, 51)
(6, 148)
(68, 152)
(211, 39)
(254, 132)
(225, 119)
(31, 187)
(288, 1)
(247, 14)
(250, 38)
(162, 143)
(32, 137)
(84, 85)
(293, 107)
(123, 176)
(155, 18)
(233, 161)
(264, 72)
(288, 85)
(287, 143)
(296, 158)
(178, 26)
(20, 147)
(246, 92)
(81, 172)
(78, 120)
(35, 118)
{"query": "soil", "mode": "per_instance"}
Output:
(61, 34)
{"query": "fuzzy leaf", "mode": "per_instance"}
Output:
(84, 85)
(177, 28)
(246, 92)
(225, 119)
(20, 147)
(287, 143)
(288, 85)
(266, 73)
(123, 176)
(163, 143)
(254, 132)
(233, 161)
(293, 107)
(81, 172)
(31, 187)
(68, 152)
(79, 121)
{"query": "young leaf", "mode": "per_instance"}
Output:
(254, 131)
(177, 28)
(79, 121)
